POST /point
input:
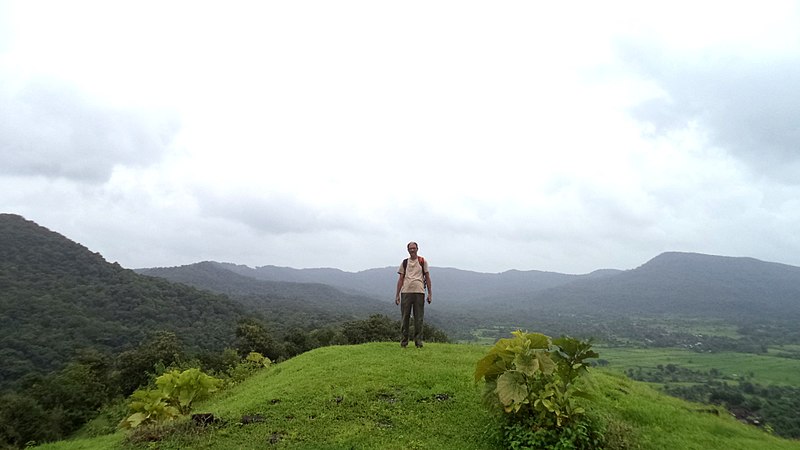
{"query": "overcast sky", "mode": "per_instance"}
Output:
(566, 137)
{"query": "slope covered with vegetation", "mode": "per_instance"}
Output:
(688, 284)
(378, 396)
(304, 305)
(57, 298)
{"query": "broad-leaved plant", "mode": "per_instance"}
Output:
(175, 394)
(533, 377)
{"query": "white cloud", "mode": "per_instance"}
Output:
(330, 134)
(736, 83)
(48, 129)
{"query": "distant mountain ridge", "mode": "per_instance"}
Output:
(688, 284)
(450, 285)
(270, 297)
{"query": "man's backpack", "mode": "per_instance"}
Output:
(421, 264)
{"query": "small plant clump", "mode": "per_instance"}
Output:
(172, 399)
(531, 380)
(251, 364)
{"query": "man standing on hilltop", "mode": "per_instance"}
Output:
(410, 294)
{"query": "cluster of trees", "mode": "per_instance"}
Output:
(47, 407)
(56, 404)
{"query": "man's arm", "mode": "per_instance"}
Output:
(399, 286)
(428, 282)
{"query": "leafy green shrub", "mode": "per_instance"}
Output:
(150, 406)
(250, 365)
(258, 360)
(174, 397)
(183, 388)
(532, 379)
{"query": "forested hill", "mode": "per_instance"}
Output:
(681, 284)
(57, 298)
(297, 304)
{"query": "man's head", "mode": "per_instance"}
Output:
(412, 248)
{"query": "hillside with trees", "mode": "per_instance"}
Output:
(57, 299)
(690, 284)
(298, 304)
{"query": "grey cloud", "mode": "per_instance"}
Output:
(50, 130)
(748, 105)
(274, 213)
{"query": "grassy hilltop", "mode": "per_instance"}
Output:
(378, 396)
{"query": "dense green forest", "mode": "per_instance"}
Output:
(58, 299)
(286, 305)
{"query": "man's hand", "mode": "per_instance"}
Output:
(397, 300)
(429, 299)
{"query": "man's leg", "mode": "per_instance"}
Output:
(419, 315)
(406, 303)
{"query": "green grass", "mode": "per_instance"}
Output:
(369, 396)
(96, 443)
(654, 421)
(765, 368)
(379, 396)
